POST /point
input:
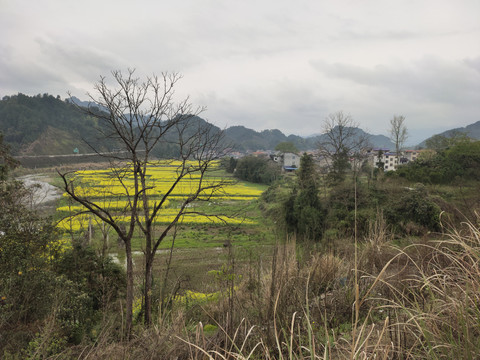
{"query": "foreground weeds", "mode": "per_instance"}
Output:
(421, 301)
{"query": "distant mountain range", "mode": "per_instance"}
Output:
(47, 125)
(248, 139)
(85, 104)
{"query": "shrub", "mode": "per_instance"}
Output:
(257, 170)
(413, 206)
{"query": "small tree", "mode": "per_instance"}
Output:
(398, 134)
(229, 163)
(286, 147)
(304, 213)
(140, 117)
(380, 164)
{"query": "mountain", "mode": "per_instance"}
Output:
(248, 139)
(472, 131)
(47, 125)
(85, 104)
(43, 124)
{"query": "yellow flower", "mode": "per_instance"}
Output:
(20, 273)
(112, 193)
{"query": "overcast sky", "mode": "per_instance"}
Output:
(264, 64)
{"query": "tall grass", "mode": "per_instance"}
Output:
(423, 302)
(417, 302)
(438, 308)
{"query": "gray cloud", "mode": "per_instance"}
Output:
(473, 63)
(429, 78)
(269, 64)
(79, 61)
(29, 77)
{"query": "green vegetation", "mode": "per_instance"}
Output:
(44, 124)
(304, 214)
(51, 296)
(286, 147)
(355, 268)
(214, 283)
(257, 170)
(7, 162)
(229, 164)
(457, 163)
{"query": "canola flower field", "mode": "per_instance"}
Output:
(104, 189)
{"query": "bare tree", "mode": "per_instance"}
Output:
(341, 141)
(142, 115)
(398, 134)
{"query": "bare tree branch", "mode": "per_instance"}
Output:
(140, 116)
(341, 141)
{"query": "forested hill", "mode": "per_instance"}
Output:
(472, 131)
(47, 125)
(248, 139)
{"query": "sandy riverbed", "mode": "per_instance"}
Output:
(42, 191)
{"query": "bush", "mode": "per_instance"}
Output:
(460, 160)
(257, 170)
(414, 206)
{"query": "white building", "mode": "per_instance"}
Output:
(389, 159)
(291, 160)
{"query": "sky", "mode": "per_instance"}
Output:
(263, 64)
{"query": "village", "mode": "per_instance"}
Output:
(380, 158)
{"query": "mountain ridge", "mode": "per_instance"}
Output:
(472, 131)
(47, 125)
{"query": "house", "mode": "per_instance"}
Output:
(411, 155)
(389, 160)
(275, 157)
(383, 158)
(291, 161)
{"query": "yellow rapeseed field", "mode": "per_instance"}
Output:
(104, 189)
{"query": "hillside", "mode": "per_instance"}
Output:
(248, 139)
(472, 131)
(44, 124)
(47, 125)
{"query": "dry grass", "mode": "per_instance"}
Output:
(420, 302)
(439, 312)
(428, 293)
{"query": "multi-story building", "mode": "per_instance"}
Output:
(383, 158)
(411, 155)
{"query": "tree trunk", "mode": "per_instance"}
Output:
(129, 300)
(148, 289)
